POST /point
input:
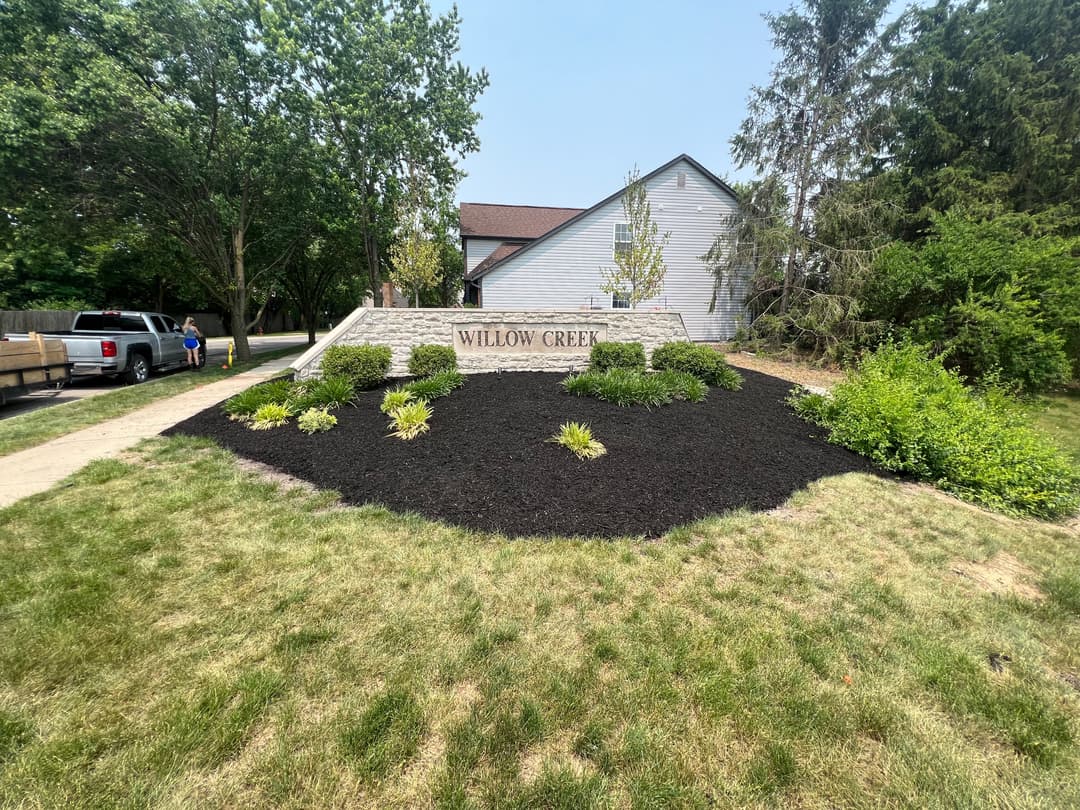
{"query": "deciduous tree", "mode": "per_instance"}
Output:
(639, 266)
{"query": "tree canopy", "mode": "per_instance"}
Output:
(240, 146)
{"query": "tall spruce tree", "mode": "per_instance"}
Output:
(808, 127)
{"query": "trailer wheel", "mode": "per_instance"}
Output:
(138, 370)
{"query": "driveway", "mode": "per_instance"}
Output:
(216, 353)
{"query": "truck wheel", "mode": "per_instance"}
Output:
(138, 370)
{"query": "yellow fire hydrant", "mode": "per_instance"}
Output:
(229, 365)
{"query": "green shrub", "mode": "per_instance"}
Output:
(578, 438)
(906, 412)
(410, 420)
(364, 366)
(435, 386)
(395, 398)
(430, 359)
(621, 387)
(270, 415)
(316, 420)
(610, 354)
(704, 362)
(242, 407)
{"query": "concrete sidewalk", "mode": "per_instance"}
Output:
(35, 469)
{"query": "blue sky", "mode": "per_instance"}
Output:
(582, 91)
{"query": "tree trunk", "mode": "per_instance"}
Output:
(310, 319)
(239, 299)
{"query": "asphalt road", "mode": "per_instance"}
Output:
(216, 354)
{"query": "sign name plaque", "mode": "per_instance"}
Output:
(527, 338)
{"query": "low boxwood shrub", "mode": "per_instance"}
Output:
(608, 354)
(364, 366)
(316, 420)
(905, 411)
(430, 358)
(704, 362)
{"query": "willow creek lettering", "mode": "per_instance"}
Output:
(527, 338)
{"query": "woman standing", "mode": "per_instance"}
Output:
(191, 343)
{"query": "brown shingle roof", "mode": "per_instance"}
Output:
(497, 255)
(512, 221)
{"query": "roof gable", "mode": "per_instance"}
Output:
(511, 221)
(482, 271)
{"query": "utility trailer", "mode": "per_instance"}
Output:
(31, 364)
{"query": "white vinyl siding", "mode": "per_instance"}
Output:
(563, 271)
(476, 250)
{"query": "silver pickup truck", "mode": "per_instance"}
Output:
(125, 344)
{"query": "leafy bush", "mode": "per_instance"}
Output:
(435, 386)
(364, 366)
(430, 359)
(906, 412)
(410, 420)
(395, 398)
(578, 438)
(242, 407)
(316, 420)
(620, 386)
(608, 354)
(270, 415)
(704, 362)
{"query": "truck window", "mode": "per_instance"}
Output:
(159, 324)
(170, 324)
(110, 322)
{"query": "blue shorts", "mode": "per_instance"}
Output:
(191, 343)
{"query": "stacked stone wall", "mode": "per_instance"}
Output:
(402, 329)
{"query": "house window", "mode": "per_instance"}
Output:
(622, 238)
(619, 303)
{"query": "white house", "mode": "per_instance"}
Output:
(528, 257)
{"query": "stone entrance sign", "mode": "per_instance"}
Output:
(497, 340)
(526, 338)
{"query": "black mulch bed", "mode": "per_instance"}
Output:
(485, 463)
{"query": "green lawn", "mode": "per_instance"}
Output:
(1059, 415)
(36, 427)
(234, 643)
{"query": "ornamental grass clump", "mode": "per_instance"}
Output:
(270, 415)
(316, 420)
(435, 386)
(429, 358)
(395, 398)
(906, 412)
(625, 388)
(297, 397)
(578, 438)
(704, 362)
(410, 420)
(242, 407)
(683, 385)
